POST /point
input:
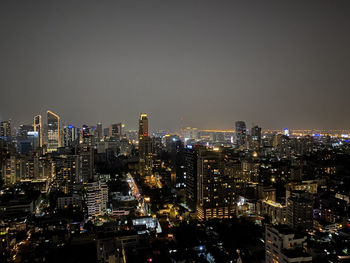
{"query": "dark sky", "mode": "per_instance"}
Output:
(274, 63)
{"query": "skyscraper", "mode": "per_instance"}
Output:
(214, 187)
(191, 157)
(241, 133)
(70, 135)
(143, 126)
(145, 149)
(5, 130)
(53, 131)
(38, 128)
(255, 138)
(99, 131)
(300, 210)
(115, 130)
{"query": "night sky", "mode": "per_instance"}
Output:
(273, 63)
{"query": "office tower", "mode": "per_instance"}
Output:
(66, 168)
(300, 210)
(115, 130)
(191, 158)
(145, 148)
(37, 125)
(284, 245)
(53, 131)
(70, 136)
(143, 126)
(85, 131)
(99, 131)
(9, 170)
(5, 130)
(255, 136)
(96, 197)
(241, 133)
(23, 131)
(85, 163)
(106, 132)
(33, 138)
(215, 193)
(189, 134)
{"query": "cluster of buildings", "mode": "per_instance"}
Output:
(294, 185)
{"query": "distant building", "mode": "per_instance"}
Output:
(115, 130)
(5, 130)
(241, 133)
(53, 131)
(145, 146)
(38, 127)
(255, 138)
(99, 131)
(190, 161)
(70, 135)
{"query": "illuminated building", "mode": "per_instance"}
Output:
(145, 148)
(70, 135)
(255, 138)
(143, 126)
(23, 131)
(283, 245)
(37, 124)
(241, 133)
(96, 197)
(99, 131)
(85, 163)
(215, 193)
(191, 157)
(300, 210)
(53, 131)
(115, 130)
(5, 130)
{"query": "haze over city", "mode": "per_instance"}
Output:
(276, 64)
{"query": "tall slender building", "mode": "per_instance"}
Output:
(214, 187)
(255, 138)
(38, 128)
(145, 145)
(99, 131)
(241, 133)
(143, 126)
(5, 130)
(53, 131)
(115, 130)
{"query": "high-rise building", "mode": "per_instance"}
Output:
(38, 127)
(255, 138)
(143, 126)
(70, 135)
(53, 131)
(145, 145)
(190, 161)
(214, 187)
(96, 197)
(241, 133)
(115, 130)
(300, 210)
(5, 130)
(284, 245)
(99, 131)
(85, 163)
(23, 131)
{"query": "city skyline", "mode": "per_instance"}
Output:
(272, 64)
